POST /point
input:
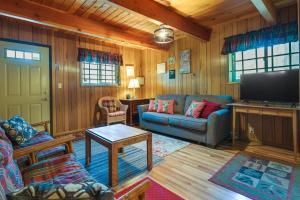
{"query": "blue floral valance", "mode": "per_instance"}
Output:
(277, 34)
(87, 55)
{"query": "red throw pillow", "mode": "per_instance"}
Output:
(195, 109)
(209, 108)
(165, 106)
(153, 105)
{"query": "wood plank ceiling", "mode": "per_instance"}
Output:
(205, 12)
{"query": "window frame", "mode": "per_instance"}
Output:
(232, 61)
(22, 59)
(115, 69)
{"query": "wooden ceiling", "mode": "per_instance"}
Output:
(202, 12)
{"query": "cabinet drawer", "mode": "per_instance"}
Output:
(275, 112)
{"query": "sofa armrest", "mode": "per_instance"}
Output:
(45, 125)
(141, 110)
(138, 192)
(218, 126)
(31, 151)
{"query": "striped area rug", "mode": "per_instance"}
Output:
(131, 163)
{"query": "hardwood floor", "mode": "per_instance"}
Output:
(186, 172)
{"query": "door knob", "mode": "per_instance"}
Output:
(44, 99)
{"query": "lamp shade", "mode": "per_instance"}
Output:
(134, 83)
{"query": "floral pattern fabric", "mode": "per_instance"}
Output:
(85, 190)
(165, 106)
(195, 109)
(110, 105)
(18, 130)
(153, 105)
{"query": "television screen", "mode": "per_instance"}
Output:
(281, 86)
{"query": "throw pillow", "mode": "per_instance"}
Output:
(46, 191)
(153, 105)
(209, 108)
(165, 106)
(110, 105)
(18, 130)
(195, 109)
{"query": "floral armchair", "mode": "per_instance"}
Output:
(112, 110)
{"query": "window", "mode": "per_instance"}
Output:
(25, 55)
(93, 74)
(265, 59)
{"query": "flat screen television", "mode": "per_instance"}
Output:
(281, 86)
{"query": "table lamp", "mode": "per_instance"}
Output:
(133, 84)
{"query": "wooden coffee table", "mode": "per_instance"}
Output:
(115, 137)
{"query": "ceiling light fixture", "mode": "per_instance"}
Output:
(163, 35)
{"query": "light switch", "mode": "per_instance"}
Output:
(59, 85)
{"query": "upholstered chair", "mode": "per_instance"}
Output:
(112, 110)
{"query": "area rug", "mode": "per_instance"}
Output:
(163, 145)
(155, 192)
(259, 179)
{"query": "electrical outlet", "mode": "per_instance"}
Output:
(59, 85)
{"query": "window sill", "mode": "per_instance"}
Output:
(232, 83)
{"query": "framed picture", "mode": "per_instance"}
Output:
(185, 62)
(130, 70)
(171, 60)
(161, 68)
(172, 74)
(141, 80)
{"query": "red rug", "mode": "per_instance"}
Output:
(155, 192)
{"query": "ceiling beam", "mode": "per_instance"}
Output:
(159, 12)
(266, 10)
(39, 14)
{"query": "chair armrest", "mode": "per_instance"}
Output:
(218, 126)
(45, 124)
(123, 107)
(103, 109)
(137, 192)
(31, 151)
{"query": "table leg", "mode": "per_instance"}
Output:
(113, 166)
(149, 152)
(233, 126)
(87, 150)
(295, 135)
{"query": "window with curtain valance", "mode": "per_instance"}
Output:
(269, 49)
(99, 68)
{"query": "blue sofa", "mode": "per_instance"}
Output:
(210, 131)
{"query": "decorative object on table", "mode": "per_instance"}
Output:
(185, 61)
(130, 70)
(163, 35)
(141, 80)
(155, 192)
(172, 74)
(258, 178)
(112, 110)
(128, 96)
(133, 84)
(132, 112)
(161, 68)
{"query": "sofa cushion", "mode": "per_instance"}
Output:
(210, 108)
(182, 121)
(110, 105)
(195, 109)
(10, 175)
(166, 106)
(160, 118)
(39, 138)
(153, 105)
(18, 130)
(223, 100)
(178, 102)
(81, 191)
(59, 170)
(117, 113)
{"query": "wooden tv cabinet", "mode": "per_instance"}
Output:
(268, 110)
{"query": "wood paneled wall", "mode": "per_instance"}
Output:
(74, 106)
(209, 68)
